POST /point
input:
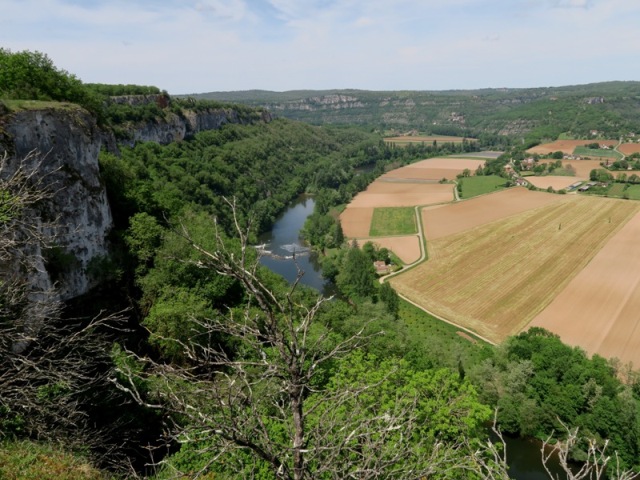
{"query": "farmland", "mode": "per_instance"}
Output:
(566, 146)
(474, 186)
(393, 221)
(496, 277)
(553, 181)
(629, 148)
(598, 309)
(407, 139)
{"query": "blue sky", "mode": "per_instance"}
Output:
(193, 46)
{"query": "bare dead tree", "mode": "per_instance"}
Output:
(264, 397)
(598, 465)
(49, 366)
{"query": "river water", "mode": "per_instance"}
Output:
(286, 253)
(291, 256)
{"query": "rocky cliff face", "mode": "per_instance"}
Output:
(68, 142)
(175, 128)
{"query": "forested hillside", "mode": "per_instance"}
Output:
(190, 360)
(530, 114)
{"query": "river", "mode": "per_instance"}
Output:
(291, 254)
(287, 254)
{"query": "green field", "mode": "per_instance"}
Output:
(633, 192)
(474, 186)
(616, 190)
(565, 172)
(393, 221)
(596, 152)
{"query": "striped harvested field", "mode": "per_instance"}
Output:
(598, 309)
(450, 219)
(498, 276)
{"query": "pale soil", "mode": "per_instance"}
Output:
(356, 222)
(598, 309)
(435, 169)
(555, 182)
(457, 217)
(582, 167)
(437, 194)
(629, 148)
(566, 146)
(407, 248)
(496, 277)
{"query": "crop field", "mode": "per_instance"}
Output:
(474, 186)
(454, 218)
(598, 309)
(406, 248)
(496, 277)
(356, 221)
(566, 146)
(393, 221)
(582, 167)
(392, 194)
(629, 148)
(435, 169)
(596, 152)
(406, 139)
(553, 181)
(633, 192)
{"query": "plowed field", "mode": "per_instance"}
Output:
(629, 148)
(598, 309)
(434, 169)
(566, 146)
(450, 219)
(496, 277)
(388, 194)
(407, 248)
(555, 182)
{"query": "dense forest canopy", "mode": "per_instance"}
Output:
(229, 371)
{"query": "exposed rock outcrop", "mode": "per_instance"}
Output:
(68, 141)
(175, 128)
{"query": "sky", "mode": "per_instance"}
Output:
(196, 46)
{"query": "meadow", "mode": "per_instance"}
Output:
(393, 221)
(474, 186)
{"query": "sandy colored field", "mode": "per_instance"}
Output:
(555, 182)
(495, 278)
(356, 222)
(566, 146)
(389, 194)
(406, 247)
(426, 138)
(598, 309)
(435, 169)
(629, 148)
(582, 167)
(457, 217)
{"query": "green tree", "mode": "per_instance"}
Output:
(357, 275)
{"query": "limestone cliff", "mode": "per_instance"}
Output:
(175, 128)
(68, 141)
